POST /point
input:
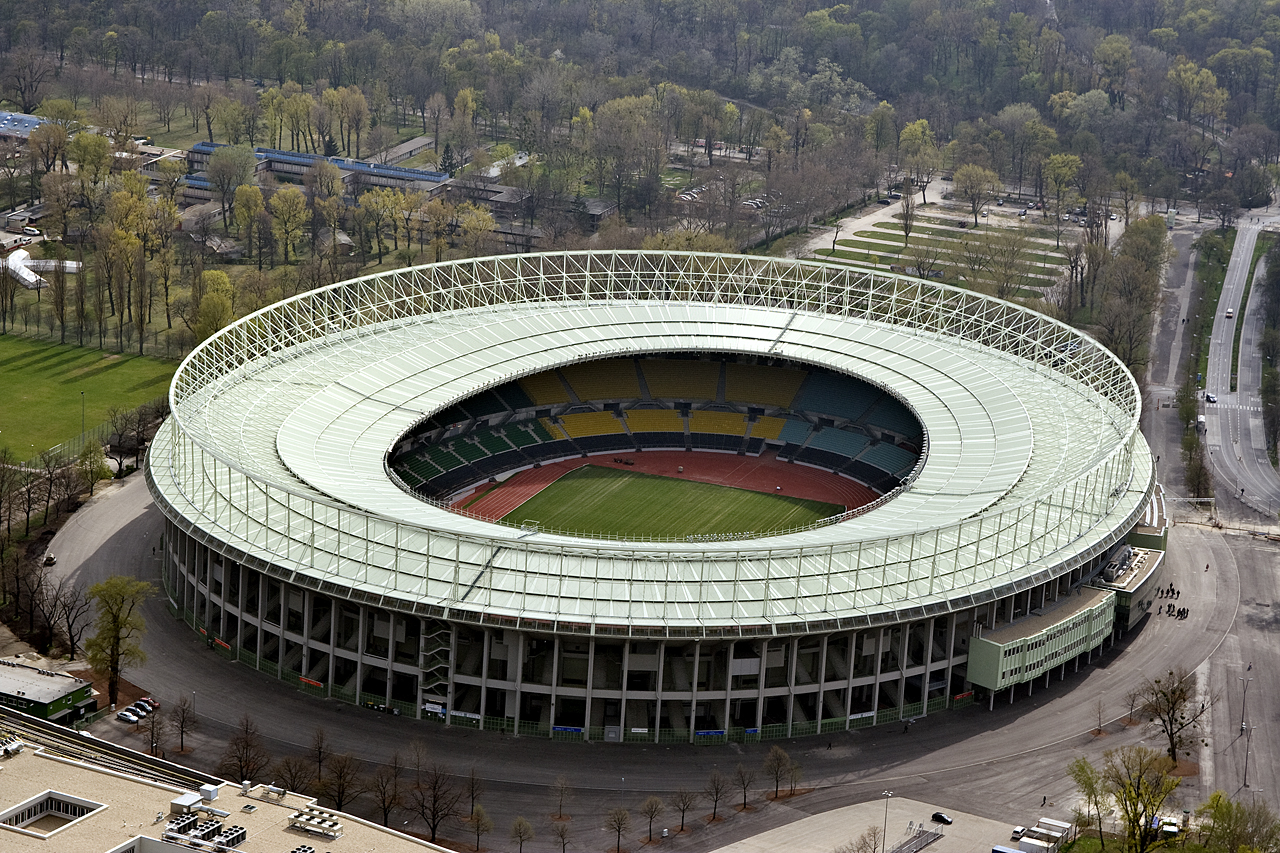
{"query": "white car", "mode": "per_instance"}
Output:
(1210, 398)
(125, 716)
(31, 232)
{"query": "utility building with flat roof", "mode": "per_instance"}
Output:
(52, 696)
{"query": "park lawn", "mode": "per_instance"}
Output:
(42, 382)
(606, 501)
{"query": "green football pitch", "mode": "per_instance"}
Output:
(42, 383)
(606, 501)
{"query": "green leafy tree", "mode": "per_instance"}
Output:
(976, 185)
(288, 215)
(92, 465)
(481, 824)
(230, 167)
(118, 628)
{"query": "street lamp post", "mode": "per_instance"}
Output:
(82, 413)
(1245, 700)
(1248, 739)
(884, 837)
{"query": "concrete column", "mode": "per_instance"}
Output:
(519, 679)
(555, 683)
(657, 705)
(484, 674)
(591, 681)
(693, 689)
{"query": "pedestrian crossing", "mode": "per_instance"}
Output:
(1235, 406)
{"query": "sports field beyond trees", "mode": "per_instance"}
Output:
(592, 499)
(42, 384)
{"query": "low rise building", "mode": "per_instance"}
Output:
(53, 696)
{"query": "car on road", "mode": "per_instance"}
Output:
(50, 560)
(1231, 312)
(1018, 832)
(1210, 398)
(126, 717)
(940, 817)
(1113, 217)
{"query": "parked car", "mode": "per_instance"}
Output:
(31, 232)
(1018, 832)
(150, 709)
(126, 717)
(939, 817)
(154, 703)
(137, 710)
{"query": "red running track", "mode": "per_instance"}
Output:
(763, 473)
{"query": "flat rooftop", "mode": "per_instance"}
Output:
(35, 684)
(1041, 620)
(1141, 566)
(130, 806)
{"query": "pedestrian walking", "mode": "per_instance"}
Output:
(1043, 800)
(1179, 595)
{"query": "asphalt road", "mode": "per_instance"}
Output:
(1241, 469)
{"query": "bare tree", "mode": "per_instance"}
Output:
(72, 609)
(717, 787)
(652, 808)
(560, 831)
(246, 756)
(183, 717)
(618, 821)
(384, 786)
(320, 749)
(157, 728)
(475, 786)
(777, 765)
(293, 773)
(344, 782)
(683, 800)
(743, 779)
(867, 842)
(562, 792)
(521, 831)
(122, 429)
(435, 798)
(1169, 705)
(794, 776)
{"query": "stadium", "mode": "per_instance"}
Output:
(762, 498)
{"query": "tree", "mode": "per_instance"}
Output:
(618, 821)
(868, 842)
(744, 778)
(919, 154)
(320, 749)
(1060, 171)
(908, 216)
(976, 185)
(183, 717)
(717, 787)
(71, 607)
(1089, 783)
(289, 215)
(561, 832)
(115, 644)
(562, 792)
(683, 800)
(384, 785)
(92, 465)
(248, 207)
(521, 831)
(435, 798)
(777, 765)
(230, 167)
(652, 808)
(246, 756)
(475, 786)
(1224, 204)
(293, 773)
(157, 728)
(1169, 705)
(1235, 827)
(1138, 780)
(343, 783)
(481, 824)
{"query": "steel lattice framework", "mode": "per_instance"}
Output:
(275, 452)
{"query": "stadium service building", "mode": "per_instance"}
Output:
(302, 469)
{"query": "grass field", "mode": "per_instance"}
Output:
(599, 500)
(42, 382)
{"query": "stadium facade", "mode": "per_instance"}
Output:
(312, 449)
